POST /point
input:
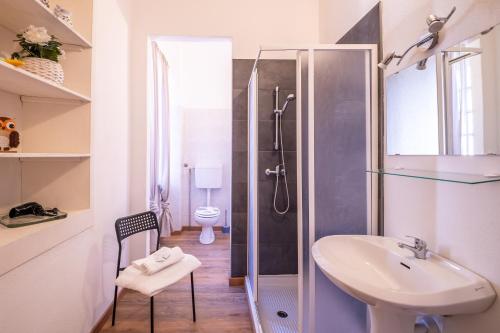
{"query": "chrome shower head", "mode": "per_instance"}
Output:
(436, 23)
(289, 98)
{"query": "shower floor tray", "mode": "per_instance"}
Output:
(278, 293)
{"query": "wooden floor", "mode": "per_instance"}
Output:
(219, 308)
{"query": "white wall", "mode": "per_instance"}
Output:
(248, 24)
(200, 94)
(67, 288)
(111, 138)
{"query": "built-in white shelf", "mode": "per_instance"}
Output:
(23, 83)
(16, 15)
(67, 185)
(44, 155)
(18, 245)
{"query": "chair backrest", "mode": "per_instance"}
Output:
(130, 225)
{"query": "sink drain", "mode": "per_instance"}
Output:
(282, 314)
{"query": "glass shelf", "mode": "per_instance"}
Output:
(452, 177)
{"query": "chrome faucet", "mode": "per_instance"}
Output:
(419, 248)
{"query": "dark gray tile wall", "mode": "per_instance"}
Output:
(277, 233)
(241, 74)
(366, 31)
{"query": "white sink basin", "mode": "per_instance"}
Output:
(396, 286)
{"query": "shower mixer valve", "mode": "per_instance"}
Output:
(278, 170)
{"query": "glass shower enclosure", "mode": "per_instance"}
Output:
(312, 135)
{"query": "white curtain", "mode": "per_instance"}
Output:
(160, 143)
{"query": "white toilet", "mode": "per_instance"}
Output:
(207, 177)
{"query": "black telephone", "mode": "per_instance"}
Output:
(32, 208)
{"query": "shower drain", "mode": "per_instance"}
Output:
(282, 314)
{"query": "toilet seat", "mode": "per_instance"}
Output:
(207, 212)
(207, 217)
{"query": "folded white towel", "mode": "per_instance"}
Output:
(159, 260)
(150, 285)
(162, 253)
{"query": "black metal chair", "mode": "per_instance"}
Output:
(128, 226)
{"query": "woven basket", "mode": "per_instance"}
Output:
(45, 68)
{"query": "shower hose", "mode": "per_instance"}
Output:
(283, 169)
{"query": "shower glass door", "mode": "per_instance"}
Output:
(312, 116)
(252, 232)
(277, 241)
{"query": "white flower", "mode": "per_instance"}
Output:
(36, 35)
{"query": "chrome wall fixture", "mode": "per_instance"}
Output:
(427, 42)
(280, 169)
(422, 64)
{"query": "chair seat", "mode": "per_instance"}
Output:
(151, 285)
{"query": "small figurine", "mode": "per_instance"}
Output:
(45, 3)
(9, 137)
(63, 14)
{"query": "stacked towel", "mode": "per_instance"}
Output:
(159, 260)
(150, 285)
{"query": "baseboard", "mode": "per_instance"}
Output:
(236, 281)
(192, 228)
(105, 316)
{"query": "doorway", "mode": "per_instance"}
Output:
(200, 88)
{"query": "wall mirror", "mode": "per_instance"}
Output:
(450, 104)
(471, 72)
(412, 110)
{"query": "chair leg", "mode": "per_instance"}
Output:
(192, 298)
(152, 315)
(114, 307)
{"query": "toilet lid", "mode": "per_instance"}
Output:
(207, 211)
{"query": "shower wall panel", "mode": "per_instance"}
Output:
(242, 69)
(339, 174)
(368, 31)
(277, 233)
